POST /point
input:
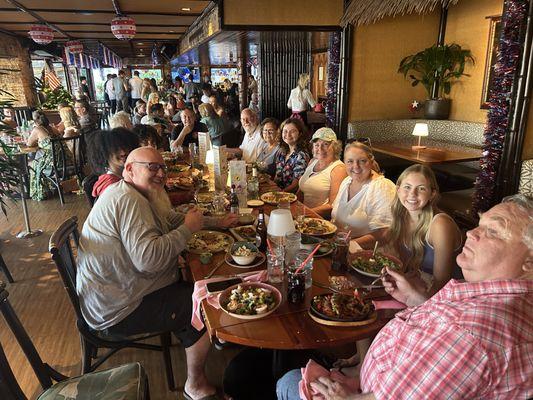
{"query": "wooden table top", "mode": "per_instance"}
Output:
(289, 327)
(435, 153)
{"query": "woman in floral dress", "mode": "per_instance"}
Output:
(293, 157)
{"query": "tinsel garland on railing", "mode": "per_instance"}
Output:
(508, 57)
(333, 77)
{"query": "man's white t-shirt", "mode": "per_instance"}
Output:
(252, 145)
(136, 87)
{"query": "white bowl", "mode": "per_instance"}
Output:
(244, 260)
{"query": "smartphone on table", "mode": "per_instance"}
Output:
(219, 286)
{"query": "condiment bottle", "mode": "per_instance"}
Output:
(261, 231)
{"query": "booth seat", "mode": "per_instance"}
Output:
(451, 177)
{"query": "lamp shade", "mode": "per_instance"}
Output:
(41, 34)
(74, 46)
(420, 129)
(123, 27)
(280, 223)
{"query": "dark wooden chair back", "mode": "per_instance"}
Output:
(60, 246)
(45, 374)
(88, 184)
(68, 157)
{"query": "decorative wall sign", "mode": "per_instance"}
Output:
(490, 60)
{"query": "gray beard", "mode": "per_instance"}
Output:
(250, 130)
(161, 207)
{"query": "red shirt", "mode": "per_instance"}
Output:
(469, 341)
(103, 182)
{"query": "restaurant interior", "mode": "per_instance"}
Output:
(473, 129)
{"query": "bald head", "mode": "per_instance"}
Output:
(505, 229)
(145, 169)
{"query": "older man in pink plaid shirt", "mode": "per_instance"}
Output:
(471, 340)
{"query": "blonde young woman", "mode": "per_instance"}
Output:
(363, 204)
(323, 176)
(153, 98)
(426, 239)
(69, 125)
(145, 89)
(301, 100)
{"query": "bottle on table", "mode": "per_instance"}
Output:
(261, 231)
(234, 201)
(253, 185)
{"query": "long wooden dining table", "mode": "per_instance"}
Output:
(289, 327)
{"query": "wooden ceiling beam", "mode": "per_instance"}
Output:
(37, 16)
(88, 12)
(98, 24)
(108, 31)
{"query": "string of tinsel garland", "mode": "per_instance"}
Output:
(515, 11)
(333, 77)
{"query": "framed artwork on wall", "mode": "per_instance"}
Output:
(490, 60)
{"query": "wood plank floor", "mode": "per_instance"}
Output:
(43, 307)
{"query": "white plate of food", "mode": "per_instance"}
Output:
(316, 227)
(368, 265)
(274, 198)
(209, 241)
(250, 300)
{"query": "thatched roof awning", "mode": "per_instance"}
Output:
(361, 12)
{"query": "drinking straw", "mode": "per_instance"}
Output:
(307, 259)
(270, 246)
(348, 235)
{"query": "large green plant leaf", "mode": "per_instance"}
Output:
(444, 63)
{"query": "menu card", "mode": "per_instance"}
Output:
(204, 144)
(237, 173)
(220, 167)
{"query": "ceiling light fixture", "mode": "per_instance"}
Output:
(185, 8)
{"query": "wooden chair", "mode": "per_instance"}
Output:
(101, 384)
(88, 184)
(68, 159)
(5, 270)
(61, 248)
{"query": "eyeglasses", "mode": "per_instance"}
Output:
(152, 166)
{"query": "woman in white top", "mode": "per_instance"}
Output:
(321, 180)
(301, 100)
(363, 204)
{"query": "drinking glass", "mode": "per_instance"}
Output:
(275, 266)
(340, 253)
(295, 287)
(293, 240)
(307, 270)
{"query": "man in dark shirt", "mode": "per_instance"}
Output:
(84, 88)
(186, 131)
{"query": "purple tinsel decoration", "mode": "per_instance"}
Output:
(515, 12)
(333, 77)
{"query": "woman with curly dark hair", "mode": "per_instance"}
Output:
(107, 152)
(147, 135)
(293, 156)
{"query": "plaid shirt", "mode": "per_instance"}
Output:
(469, 341)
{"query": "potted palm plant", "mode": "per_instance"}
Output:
(443, 64)
(9, 166)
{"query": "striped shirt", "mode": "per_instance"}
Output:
(469, 341)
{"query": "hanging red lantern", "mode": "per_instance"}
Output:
(74, 46)
(123, 27)
(41, 34)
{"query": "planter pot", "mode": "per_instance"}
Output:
(437, 109)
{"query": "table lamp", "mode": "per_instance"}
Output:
(279, 224)
(420, 129)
